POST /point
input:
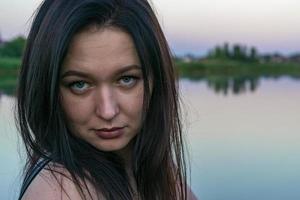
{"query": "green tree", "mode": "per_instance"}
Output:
(226, 50)
(237, 52)
(1, 40)
(253, 54)
(240, 52)
(13, 48)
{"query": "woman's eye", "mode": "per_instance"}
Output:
(128, 81)
(79, 86)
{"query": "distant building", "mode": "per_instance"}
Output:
(277, 58)
(188, 58)
(273, 58)
(295, 58)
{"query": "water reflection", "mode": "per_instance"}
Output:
(242, 147)
(234, 85)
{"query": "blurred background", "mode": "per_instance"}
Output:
(239, 67)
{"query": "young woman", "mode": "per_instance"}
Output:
(98, 104)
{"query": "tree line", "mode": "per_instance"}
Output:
(12, 48)
(234, 52)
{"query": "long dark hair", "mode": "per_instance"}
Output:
(158, 154)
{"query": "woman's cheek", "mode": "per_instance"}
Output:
(132, 103)
(77, 110)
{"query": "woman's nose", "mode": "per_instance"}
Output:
(106, 104)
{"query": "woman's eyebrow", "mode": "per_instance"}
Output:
(86, 75)
(75, 73)
(128, 68)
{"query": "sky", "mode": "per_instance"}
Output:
(196, 26)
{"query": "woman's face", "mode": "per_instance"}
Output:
(102, 89)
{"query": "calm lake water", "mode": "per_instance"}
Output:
(242, 147)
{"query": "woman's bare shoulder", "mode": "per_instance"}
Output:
(53, 182)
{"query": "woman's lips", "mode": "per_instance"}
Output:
(109, 133)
